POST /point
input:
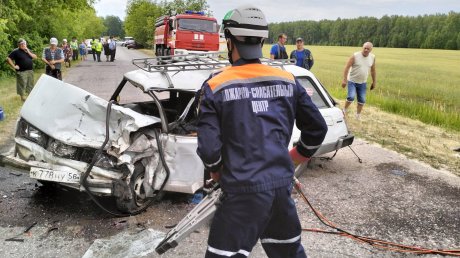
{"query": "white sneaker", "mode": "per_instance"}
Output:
(358, 117)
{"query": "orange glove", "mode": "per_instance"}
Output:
(296, 157)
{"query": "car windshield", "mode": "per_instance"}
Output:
(312, 91)
(197, 25)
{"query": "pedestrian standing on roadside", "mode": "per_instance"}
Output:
(98, 48)
(113, 48)
(74, 47)
(244, 129)
(278, 50)
(21, 60)
(356, 77)
(67, 53)
(106, 48)
(53, 58)
(93, 49)
(301, 55)
(82, 49)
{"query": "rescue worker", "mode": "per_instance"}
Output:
(245, 122)
(93, 49)
(98, 48)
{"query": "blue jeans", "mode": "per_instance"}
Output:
(356, 89)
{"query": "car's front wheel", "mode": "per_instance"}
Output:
(138, 200)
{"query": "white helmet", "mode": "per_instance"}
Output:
(247, 27)
(53, 41)
(246, 21)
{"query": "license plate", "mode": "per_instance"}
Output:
(56, 176)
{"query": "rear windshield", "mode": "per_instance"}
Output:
(312, 91)
(197, 25)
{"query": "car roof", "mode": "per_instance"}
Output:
(189, 75)
(186, 80)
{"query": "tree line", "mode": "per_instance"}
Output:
(440, 31)
(38, 20)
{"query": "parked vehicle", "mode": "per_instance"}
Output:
(133, 45)
(126, 41)
(185, 34)
(136, 147)
(89, 50)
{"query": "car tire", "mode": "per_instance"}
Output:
(159, 51)
(139, 201)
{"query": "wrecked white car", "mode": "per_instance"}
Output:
(143, 140)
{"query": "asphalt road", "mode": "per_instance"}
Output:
(387, 196)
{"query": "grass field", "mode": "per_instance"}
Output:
(417, 83)
(10, 103)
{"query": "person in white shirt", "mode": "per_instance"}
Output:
(356, 77)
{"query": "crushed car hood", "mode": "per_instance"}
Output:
(76, 117)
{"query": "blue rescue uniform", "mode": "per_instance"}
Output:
(246, 117)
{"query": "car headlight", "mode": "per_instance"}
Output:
(31, 133)
(61, 149)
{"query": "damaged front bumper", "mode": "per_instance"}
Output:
(34, 156)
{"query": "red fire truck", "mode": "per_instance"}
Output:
(185, 34)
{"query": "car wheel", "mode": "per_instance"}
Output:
(139, 200)
(160, 51)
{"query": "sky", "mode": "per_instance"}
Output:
(294, 10)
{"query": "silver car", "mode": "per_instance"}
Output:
(142, 141)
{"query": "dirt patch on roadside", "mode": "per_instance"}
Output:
(430, 144)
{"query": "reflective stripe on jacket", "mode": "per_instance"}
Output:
(246, 117)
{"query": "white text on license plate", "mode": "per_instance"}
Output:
(56, 176)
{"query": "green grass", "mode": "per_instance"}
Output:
(417, 83)
(10, 103)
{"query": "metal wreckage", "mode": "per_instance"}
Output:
(142, 142)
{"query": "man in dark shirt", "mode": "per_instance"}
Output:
(301, 55)
(20, 59)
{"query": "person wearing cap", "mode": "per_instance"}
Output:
(53, 58)
(21, 60)
(67, 52)
(246, 114)
(301, 55)
(278, 50)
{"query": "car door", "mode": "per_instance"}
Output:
(333, 116)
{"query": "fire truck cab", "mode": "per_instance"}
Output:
(185, 34)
